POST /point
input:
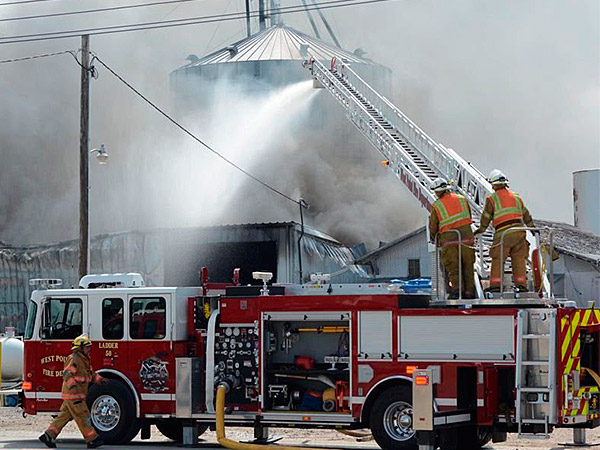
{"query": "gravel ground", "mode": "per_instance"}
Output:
(17, 432)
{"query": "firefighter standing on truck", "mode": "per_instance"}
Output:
(77, 376)
(448, 213)
(506, 210)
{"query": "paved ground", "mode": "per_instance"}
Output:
(21, 433)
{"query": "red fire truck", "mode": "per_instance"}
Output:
(315, 355)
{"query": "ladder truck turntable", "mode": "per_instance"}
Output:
(326, 355)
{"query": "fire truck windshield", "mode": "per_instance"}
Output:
(31, 314)
(62, 318)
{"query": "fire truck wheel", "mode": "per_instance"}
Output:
(391, 419)
(112, 412)
(484, 435)
(173, 429)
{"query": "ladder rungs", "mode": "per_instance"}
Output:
(535, 363)
(536, 336)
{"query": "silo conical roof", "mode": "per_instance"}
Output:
(277, 43)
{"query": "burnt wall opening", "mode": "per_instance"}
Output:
(183, 265)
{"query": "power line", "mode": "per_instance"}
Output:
(24, 1)
(158, 24)
(96, 10)
(175, 22)
(192, 135)
(43, 55)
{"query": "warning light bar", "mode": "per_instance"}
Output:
(421, 380)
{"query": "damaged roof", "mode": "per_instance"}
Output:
(573, 241)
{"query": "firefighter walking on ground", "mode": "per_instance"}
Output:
(77, 376)
(506, 210)
(451, 212)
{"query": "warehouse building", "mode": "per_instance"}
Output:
(173, 257)
(404, 258)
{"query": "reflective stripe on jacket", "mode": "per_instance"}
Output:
(508, 207)
(452, 211)
(77, 376)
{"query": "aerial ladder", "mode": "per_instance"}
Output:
(413, 156)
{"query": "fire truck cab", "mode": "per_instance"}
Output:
(136, 332)
(315, 356)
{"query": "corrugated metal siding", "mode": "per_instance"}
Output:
(393, 262)
(580, 280)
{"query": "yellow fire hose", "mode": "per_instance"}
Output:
(355, 434)
(593, 374)
(235, 445)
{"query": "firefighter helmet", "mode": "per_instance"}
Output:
(497, 177)
(81, 341)
(440, 185)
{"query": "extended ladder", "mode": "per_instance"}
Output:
(535, 383)
(414, 157)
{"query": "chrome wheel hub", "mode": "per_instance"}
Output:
(105, 413)
(397, 421)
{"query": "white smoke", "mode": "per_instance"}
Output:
(507, 84)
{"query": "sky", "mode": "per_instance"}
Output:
(507, 84)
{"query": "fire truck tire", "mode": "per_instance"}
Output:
(484, 435)
(391, 419)
(112, 412)
(173, 429)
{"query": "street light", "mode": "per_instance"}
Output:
(84, 213)
(101, 155)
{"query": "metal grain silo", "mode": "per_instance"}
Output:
(586, 197)
(268, 60)
(271, 60)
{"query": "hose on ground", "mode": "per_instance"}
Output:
(355, 434)
(235, 445)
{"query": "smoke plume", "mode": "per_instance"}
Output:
(507, 84)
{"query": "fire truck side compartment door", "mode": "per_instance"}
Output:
(457, 338)
(375, 335)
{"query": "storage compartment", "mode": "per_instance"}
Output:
(306, 362)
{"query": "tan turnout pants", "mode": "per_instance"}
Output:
(73, 410)
(449, 257)
(515, 246)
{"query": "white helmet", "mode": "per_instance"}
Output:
(440, 185)
(497, 177)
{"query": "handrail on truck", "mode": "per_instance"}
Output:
(536, 231)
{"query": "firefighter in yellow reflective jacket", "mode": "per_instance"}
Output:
(451, 213)
(506, 210)
(77, 376)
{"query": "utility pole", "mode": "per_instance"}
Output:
(261, 15)
(248, 30)
(84, 229)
